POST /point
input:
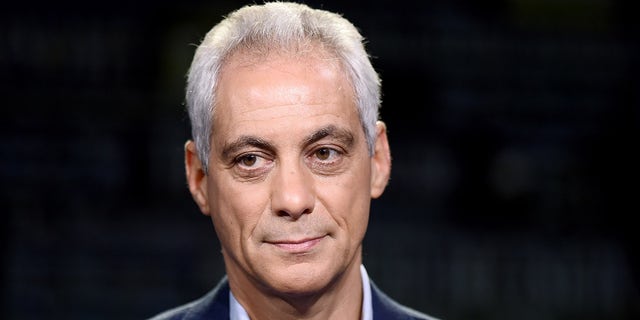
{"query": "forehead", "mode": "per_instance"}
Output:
(311, 57)
(282, 85)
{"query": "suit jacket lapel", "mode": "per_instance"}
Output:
(215, 305)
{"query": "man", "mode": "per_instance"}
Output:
(286, 157)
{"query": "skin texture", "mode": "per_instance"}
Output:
(289, 185)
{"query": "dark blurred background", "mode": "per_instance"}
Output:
(512, 125)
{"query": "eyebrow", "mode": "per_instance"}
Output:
(340, 134)
(244, 141)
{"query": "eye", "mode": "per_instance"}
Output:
(327, 160)
(324, 153)
(251, 161)
(248, 160)
(251, 166)
(327, 155)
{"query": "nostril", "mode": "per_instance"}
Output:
(282, 213)
(293, 215)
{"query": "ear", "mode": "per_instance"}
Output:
(380, 161)
(196, 178)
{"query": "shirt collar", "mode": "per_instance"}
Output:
(237, 312)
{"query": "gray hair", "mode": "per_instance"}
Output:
(278, 25)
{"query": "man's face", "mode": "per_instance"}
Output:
(290, 178)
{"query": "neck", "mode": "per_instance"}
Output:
(340, 299)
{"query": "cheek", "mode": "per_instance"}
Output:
(348, 200)
(235, 209)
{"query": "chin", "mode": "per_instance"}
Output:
(302, 279)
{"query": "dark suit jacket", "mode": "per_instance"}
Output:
(215, 305)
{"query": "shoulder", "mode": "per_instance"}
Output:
(214, 305)
(177, 313)
(385, 308)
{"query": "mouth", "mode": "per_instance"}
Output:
(297, 245)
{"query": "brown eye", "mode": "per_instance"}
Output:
(249, 160)
(323, 154)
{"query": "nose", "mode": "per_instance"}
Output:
(293, 192)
